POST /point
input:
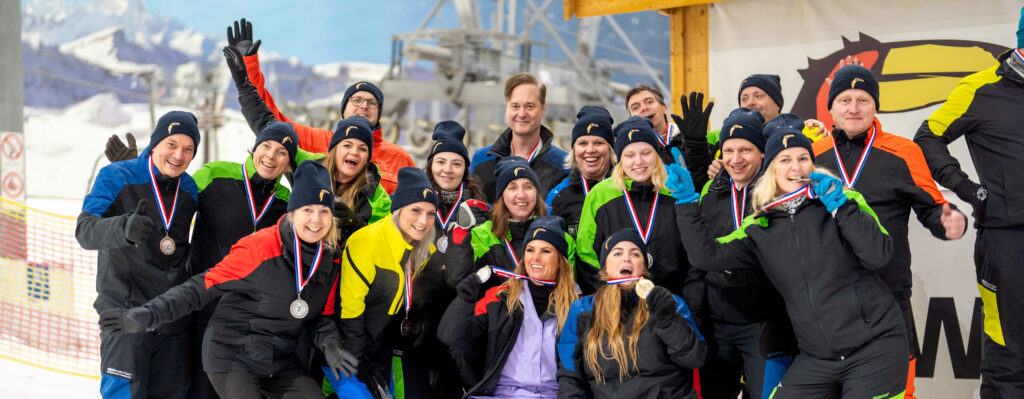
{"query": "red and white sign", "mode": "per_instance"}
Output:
(12, 146)
(12, 166)
(13, 185)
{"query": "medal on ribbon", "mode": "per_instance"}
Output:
(167, 244)
(251, 201)
(507, 274)
(299, 308)
(739, 205)
(645, 234)
(847, 178)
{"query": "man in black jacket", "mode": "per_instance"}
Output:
(138, 216)
(986, 108)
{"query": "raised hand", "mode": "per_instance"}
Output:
(138, 226)
(694, 123)
(117, 151)
(829, 190)
(241, 38)
(679, 181)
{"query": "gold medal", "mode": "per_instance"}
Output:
(643, 288)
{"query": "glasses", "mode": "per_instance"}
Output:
(358, 101)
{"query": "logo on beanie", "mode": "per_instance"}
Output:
(785, 140)
(435, 146)
(629, 135)
(590, 126)
(286, 139)
(733, 128)
(516, 171)
(350, 128)
(324, 191)
(359, 84)
(539, 229)
(425, 192)
(853, 84)
(171, 126)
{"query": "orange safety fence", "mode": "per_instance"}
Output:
(47, 286)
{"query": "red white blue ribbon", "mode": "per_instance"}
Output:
(408, 288)
(850, 181)
(668, 134)
(1019, 54)
(586, 187)
(622, 280)
(739, 205)
(507, 274)
(164, 216)
(451, 212)
(805, 190)
(511, 253)
(300, 283)
(644, 234)
(252, 200)
(533, 154)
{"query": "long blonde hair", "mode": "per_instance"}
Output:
(561, 297)
(766, 189)
(421, 248)
(500, 215)
(608, 326)
(346, 191)
(331, 239)
(658, 175)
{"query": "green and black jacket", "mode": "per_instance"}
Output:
(823, 265)
(605, 212)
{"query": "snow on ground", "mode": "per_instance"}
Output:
(19, 381)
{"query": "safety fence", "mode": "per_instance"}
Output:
(47, 286)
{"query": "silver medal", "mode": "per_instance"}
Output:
(167, 245)
(442, 244)
(643, 288)
(299, 309)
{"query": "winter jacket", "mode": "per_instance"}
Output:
(224, 215)
(893, 180)
(482, 335)
(986, 109)
(566, 200)
(386, 155)
(252, 329)
(372, 203)
(129, 275)
(489, 250)
(667, 353)
(549, 163)
(373, 278)
(740, 295)
(605, 212)
(823, 265)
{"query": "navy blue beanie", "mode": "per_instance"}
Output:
(853, 77)
(367, 87)
(627, 234)
(353, 127)
(744, 123)
(281, 132)
(448, 137)
(413, 186)
(510, 168)
(783, 121)
(594, 121)
(636, 129)
(312, 186)
(175, 122)
(783, 138)
(771, 84)
(550, 229)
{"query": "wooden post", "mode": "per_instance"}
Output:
(689, 52)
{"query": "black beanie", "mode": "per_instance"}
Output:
(367, 87)
(636, 129)
(744, 123)
(593, 121)
(853, 77)
(312, 186)
(413, 186)
(783, 138)
(550, 229)
(354, 127)
(783, 121)
(281, 132)
(448, 137)
(175, 122)
(627, 234)
(510, 168)
(769, 83)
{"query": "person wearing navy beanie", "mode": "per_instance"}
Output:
(284, 134)
(353, 127)
(448, 170)
(788, 121)
(853, 77)
(636, 129)
(513, 168)
(550, 229)
(591, 161)
(356, 180)
(762, 92)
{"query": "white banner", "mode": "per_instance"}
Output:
(919, 49)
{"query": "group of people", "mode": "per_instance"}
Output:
(655, 259)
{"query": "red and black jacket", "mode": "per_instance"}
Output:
(252, 329)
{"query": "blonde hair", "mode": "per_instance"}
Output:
(500, 215)
(333, 234)
(346, 191)
(658, 175)
(608, 326)
(421, 248)
(561, 297)
(766, 189)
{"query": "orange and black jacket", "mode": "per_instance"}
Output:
(252, 329)
(986, 109)
(894, 180)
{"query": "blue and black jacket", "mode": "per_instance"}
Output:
(549, 163)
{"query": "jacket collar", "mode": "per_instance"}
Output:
(1005, 70)
(503, 145)
(840, 136)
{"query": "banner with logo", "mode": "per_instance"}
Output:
(919, 50)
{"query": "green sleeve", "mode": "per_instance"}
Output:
(863, 205)
(713, 137)
(482, 239)
(380, 205)
(587, 231)
(303, 155)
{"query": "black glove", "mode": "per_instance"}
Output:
(117, 151)
(469, 288)
(237, 68)
(340, 360)
(241, 38)
(345, 216)
(138, 226)
(126, 321)
(693, 126)
(974, 194)
(662, 306)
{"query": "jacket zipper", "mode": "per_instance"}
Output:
(807, 285)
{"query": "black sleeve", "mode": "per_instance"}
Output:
(682, 344)
(697, 154)
(181, 300)
(255, 111)
(458, 257)
(466, 336)
(862, 232)
(326, 331)
(94, 232)
(703, 250)
(944, 167)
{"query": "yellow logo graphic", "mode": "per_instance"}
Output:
(435, 146)
(733, 128)
(853, 84)
(171, 126)
(324, 191)
(286, 139)
(630, 134)
(785, 140)
(359, 84)
(539, 229)
(349, 128)
(516, 171)
(425, 191)
(590, 126)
